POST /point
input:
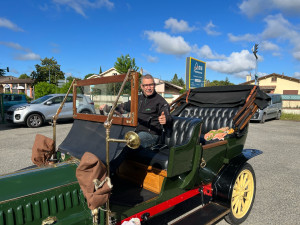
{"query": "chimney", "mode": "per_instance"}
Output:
(248, 77)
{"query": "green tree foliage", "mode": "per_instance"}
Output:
(47, 65)
(24, 76)
(88, 75)
(218, 83)
(123, 63)
(100, 71)
(2, 72)
(44, 88)
(64, 89)
(176, 81)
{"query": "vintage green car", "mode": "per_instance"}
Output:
(197, 174)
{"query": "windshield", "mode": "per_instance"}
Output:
(95, 98)
(41, 99)
(101, 97)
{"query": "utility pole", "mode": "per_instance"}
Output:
(255, 50)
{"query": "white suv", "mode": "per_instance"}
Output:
(43, 109)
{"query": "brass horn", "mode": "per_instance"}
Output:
(133, 140)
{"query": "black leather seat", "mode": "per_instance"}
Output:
(158, 156)
(213, 117)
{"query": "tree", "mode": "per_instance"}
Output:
(100, 71)
(218, 83)
(24, 76)
(43, 88)
(123, 63)
(176, 81)
(2, 72)
(42, 71)
(88, 75)
(64, 89)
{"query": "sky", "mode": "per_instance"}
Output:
(82, 35)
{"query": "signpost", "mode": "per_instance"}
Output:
(60, 83)
(195, 73)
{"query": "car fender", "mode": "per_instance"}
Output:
(223, 184)
(34, 112)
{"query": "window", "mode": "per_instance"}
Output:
(274, 79)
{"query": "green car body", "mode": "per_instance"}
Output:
(51, 194)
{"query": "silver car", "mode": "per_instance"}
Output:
(272, 111)
(43, 109)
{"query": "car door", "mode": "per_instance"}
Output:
(68, 108)
(51, 106)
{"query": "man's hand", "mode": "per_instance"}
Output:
(101, 107)
(162, 118)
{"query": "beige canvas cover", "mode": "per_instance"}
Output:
(94, 183)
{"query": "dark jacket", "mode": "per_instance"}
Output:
(149, 109)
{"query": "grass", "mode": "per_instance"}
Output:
(289, 116)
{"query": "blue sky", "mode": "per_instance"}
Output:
(83, 35)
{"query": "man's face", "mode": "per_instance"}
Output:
(148, 86)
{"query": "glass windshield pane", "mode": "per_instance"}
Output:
(98, 99)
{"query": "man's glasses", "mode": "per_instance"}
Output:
(148, 85)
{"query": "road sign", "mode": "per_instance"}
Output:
(195, 73)
(60, 83)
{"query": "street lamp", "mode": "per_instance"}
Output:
(255, 50)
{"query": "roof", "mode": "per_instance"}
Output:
(272, 75)
(14, 80)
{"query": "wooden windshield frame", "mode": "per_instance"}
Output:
(130, 121)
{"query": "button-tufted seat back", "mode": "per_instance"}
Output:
(213, 117)
(182, 131)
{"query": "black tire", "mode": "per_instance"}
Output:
(85, 111)
(34, 120)
(278, 115)
(242, 196)
(263, 118)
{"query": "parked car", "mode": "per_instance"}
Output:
(197, 174)
(273, 111)
(43, 109)
(12, 99)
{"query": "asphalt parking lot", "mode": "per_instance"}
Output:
(277, 169)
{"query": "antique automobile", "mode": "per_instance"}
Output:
(197, 174)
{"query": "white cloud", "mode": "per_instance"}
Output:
(268, 46)
(28, 56)
(81, 5)
(209, 29)
(206, 53)
(164, 43)
(14, 46)
(297, 74)
(245, 37)
(178, 26)
(10, 25)
(254, 7)
(152, 59)
(238, 64)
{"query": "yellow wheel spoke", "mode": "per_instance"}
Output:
(234, 201)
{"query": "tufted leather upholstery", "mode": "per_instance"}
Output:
(181, 134)
(213, 117)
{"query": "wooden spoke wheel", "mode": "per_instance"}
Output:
(243, 195)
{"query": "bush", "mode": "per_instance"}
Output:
(43, 88)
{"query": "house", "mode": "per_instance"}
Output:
(167, 90)
(10, 84)
(288, 87)
(110, 72)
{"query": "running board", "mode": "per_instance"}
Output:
(207, 214)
